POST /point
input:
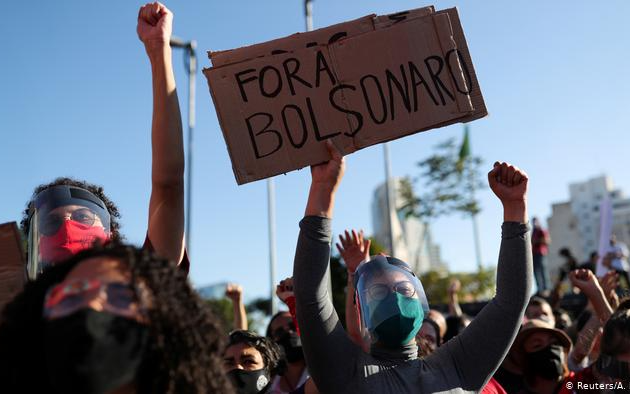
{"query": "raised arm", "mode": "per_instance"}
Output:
(493, 330)
(330, 354)
(166, 207)
(453, 300)
(354, 249)
(235, 293)
(586, 281)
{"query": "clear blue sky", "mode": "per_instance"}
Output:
(76, 100)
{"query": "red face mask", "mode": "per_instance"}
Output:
(71, 238)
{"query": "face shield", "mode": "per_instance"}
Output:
(392, 302)
(63, 221)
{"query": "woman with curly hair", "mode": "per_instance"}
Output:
(67, 215)
(114, 319)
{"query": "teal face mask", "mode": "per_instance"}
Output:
(395, 320)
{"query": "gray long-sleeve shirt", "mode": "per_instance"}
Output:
(464, 364)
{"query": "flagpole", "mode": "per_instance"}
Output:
(271, 217)
(308, 24)
(464, 153)
(390, 198)
(476, 236)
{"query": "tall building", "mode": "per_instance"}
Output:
(574, 224)
(412, 238)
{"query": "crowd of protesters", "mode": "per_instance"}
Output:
(99, 316)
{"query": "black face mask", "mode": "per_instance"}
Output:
(93, 352)
(546, 363)
(249, 382)
(292, 346)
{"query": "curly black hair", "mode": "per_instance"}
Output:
(94, 189)
(269, 350)
(616, 337)
(183, 353)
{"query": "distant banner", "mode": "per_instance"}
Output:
(359, 83)
(605, 232)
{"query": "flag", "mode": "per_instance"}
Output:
(464, 150)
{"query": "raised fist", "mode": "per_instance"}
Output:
(584, 280)
(284, 290)
(155, 24)
(234, 292)
(509, 183)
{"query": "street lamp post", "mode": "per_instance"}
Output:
(190, 61)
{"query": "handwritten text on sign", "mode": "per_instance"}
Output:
(359, 90)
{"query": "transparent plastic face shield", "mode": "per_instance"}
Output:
(48, 212)
(380, 278)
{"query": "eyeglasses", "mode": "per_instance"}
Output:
(116, 297)
(380, 291)
(50, 224)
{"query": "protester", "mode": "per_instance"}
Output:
(113, 319)
(611, 370)
(251, 362)
(282, 329)
(570, 263)
(428, 338)
(457, 320)
(338, 365)
(539, 308)
(234, 292)
(563, 319)
(617, 256)
(543, 353)
(439, 319)
(540, 248)
(586, 281)
(67, 215)
(591, 263)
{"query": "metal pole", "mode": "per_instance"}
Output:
(192, 72)
(271, 210)
(477, 242)
(308, 17)
(190, 61)
(308, 14)
(390, 200)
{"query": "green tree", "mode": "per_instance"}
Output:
(447, 180)
(475, 286)
(224, 311)
(222, 308)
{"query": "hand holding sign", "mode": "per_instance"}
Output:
(509, 184)
(155, 25)
(325, 180)
(329, 174)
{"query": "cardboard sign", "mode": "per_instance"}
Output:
(12, 267)
(359, 83)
